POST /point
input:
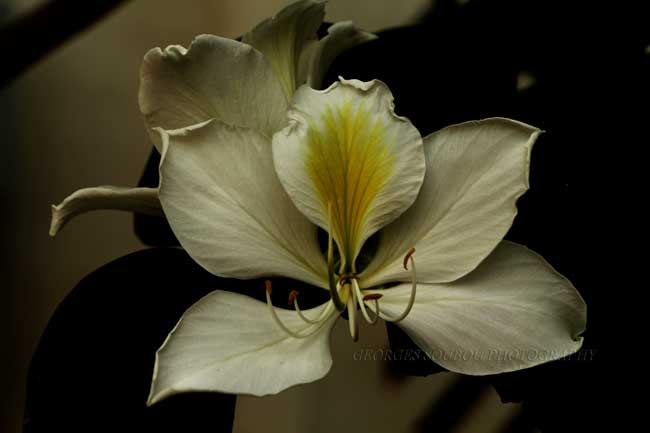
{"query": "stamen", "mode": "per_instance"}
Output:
(292, 297)
(408, 255)
(334, 293)
(352, 315)
(408, 258)
(268, 286)
(320, 322)
(362, 304)
(293, 300)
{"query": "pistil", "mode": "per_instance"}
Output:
(352, 313)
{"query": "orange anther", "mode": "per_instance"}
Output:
(292, 296)
(372, 296)
(407, 257)
(269, 288)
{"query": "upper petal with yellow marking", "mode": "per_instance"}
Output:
(345, 148)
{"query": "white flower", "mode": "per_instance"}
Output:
(246, 201)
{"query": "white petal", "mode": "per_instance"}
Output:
(229, 343)
(227, 208)
(139, 200)
(283, 38)
(341, 36)
(475, 173)
(216, 78)
(345, 146)
(514, 311)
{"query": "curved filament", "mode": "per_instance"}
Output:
(408, 259)
(325, 313)
(362, 299)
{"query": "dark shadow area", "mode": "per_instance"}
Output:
(92, 369)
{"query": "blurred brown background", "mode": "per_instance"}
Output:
(73, 121)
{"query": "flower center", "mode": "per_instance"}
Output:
(345, 293)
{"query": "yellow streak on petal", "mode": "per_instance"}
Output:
(349, 160)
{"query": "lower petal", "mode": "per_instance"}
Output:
(229, 343)
(139, 200)
(514, 311)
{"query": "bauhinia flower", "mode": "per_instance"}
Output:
(247, 186)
